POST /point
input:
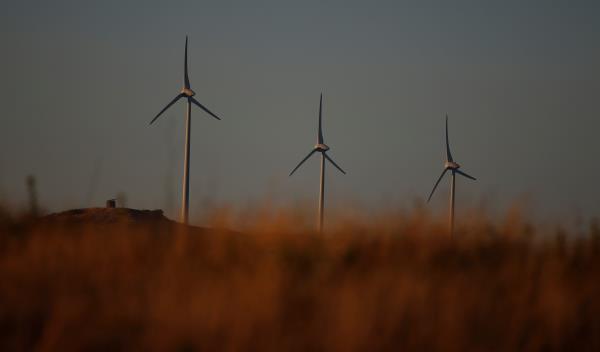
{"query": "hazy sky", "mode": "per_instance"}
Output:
(520, 81)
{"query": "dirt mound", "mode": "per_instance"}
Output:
(108, 216)
(116, 218)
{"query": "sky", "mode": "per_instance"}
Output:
(520, 82)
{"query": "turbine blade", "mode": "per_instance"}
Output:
(186, 79)
(465, 175)
(320, 136)
(436, 184)
(448, 154)
(303, 160)
(203, 108)
(179, 96)
(334, 164)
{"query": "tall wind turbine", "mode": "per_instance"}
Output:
(188, 94)
(322, 148)
(450, 165)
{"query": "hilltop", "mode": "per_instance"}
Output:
(108, 216)
(115, 217)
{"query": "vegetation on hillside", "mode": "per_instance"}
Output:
(394, 283)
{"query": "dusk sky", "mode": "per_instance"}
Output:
(520, 82)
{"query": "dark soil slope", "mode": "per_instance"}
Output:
(107, 216)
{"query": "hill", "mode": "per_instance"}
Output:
(108, 216)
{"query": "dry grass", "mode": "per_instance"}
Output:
(392, 282)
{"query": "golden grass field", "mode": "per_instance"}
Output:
(394, 282)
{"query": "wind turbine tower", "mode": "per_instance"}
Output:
(322, 148)
(452, 166)
(188, 94)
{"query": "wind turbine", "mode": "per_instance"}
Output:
(322, 148)
(450, 165)
(188, 94)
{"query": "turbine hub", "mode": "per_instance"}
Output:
(188, 92)
(451, 165)
(321, 147)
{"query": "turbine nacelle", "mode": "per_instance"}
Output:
(321, 147)
(451, 165)
(188, 92)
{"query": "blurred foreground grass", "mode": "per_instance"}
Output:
(396, 283)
